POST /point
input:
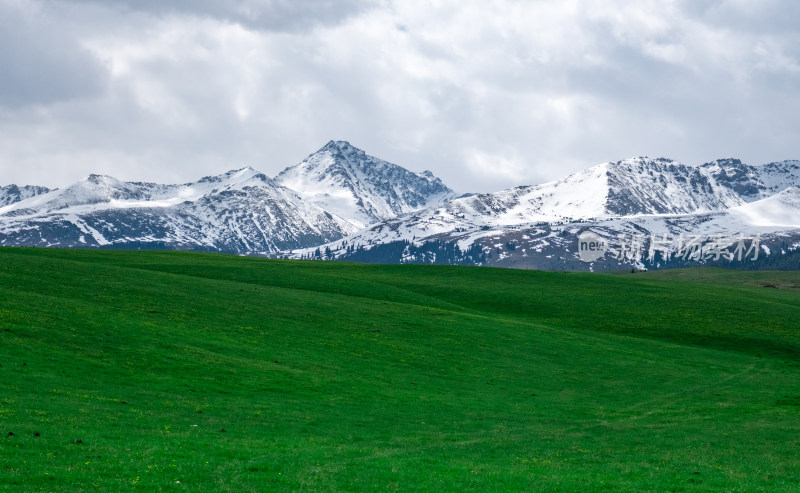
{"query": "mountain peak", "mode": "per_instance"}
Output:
(340, 149)
(645, 161)
(235, 175)
(731, 161)
(361, 188)
(334, 144)
(101, 179)
(338, 144)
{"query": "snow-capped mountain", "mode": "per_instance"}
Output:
(341, 203)
(10, 194)
(360, 188)
(639, 195)
(781, 210)
(753, 182)
(242, 211)
(239, 211)
(623, 188)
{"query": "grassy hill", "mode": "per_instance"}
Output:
(167, 371)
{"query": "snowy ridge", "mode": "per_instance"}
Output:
(106, 192)
(639, 196)
(781, 210)
(553, 245)
(239, 211)
(360, 188)
(778, 176)
(11, 194)
(624, 188)
(663, 186)
(350, 205)
(94, 189)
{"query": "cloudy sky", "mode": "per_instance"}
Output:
(487, 95)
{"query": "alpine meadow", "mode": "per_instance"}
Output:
(400, 246)
(175, 371)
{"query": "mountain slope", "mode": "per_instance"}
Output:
(761, 228)
(753, 182)
(11, 194)
(662, 186)
(237, 212)
(360, 188)
(341, 200)
(624, 188)
(538, 225)
(781, 210)
(241, 211)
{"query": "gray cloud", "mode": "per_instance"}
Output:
(487, 95)
(42, 64)
(274, 15)
(753, 17)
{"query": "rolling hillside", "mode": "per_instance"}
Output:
(168, 371)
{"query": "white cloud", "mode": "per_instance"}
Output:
(485, 94)
(495, 167)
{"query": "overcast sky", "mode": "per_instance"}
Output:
(487, 95)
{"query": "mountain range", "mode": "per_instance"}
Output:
(624, 202)
(340, 203)
(337, 190)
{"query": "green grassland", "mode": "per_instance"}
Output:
(166, 371)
